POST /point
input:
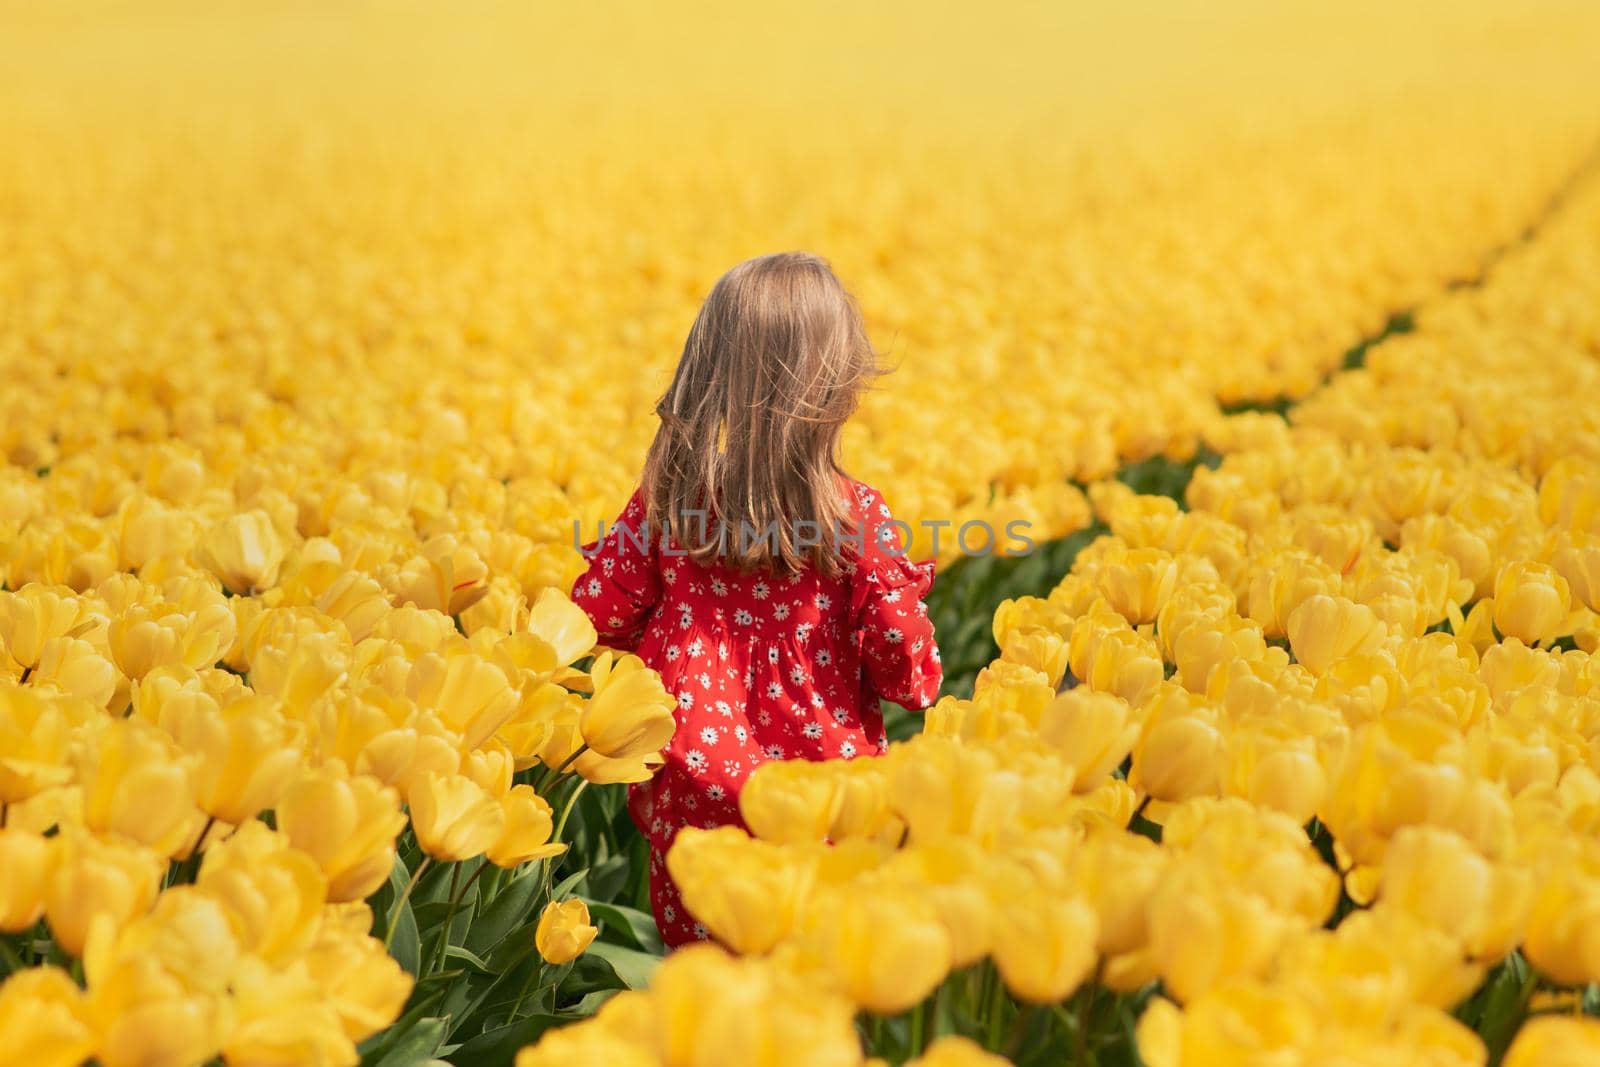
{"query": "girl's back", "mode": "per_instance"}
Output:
(780, 631)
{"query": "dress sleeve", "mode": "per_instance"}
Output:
(898, 650)
(621, 586)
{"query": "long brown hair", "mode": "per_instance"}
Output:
(773, 366)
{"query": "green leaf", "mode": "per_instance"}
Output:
(497, 1047)
(635, 925)
(412, 1047)
(508, 910)
(567, 885)
(470, 958)
(406, 944)
(633, 967)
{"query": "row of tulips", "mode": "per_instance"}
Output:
(1309, 770)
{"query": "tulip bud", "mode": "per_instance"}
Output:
(454, 818)
(564, 931)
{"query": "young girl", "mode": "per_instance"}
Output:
(769, 590)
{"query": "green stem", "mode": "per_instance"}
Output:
(1080, 1055)
(405, 895)
(449, 917)
(456, 896)
(917, 1014)
(559, 771)
(561, 823)
(997, 997)
(1019, 1029)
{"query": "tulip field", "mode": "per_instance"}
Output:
(329, 332)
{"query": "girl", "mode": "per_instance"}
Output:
(769, 590)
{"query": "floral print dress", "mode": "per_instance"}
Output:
(764, 666)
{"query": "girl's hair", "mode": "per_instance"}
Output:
(773, 366)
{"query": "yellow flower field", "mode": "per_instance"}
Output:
(322, 327)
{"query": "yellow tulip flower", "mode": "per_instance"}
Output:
(244, 551)
(347, 824)
(43, 1019)
(564, 931)
(528, 827)
(454, 818)
(28, 861)
(629, 714)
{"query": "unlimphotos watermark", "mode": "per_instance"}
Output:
(975, 537)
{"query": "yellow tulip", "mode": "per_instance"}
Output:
(527, 831)
(1562, 938)
(42, 1019)
(246, 756)
(35, 732)
(562, 625)
(244, 551)
(584, 1043)
(282, 1018)
(1577, 560)
(1436, 876)
(790, 802)
(564, 931)
(1531, 602)
(747, 892)
(1093, 731)
(446, 576)
(454, 818)
(1177, 757)
(470, 694)
(76, 668)
(947, 873)
(884, 944)
(630, 714)
(1044, 943)
(95, 877)
(347, 824)
(1555, 1041)
(955, 1051)
(32, 617)
(137, 783)
(366, 986)
(1137, 583)
(273, 893)
(28, 861)
(1325, 629)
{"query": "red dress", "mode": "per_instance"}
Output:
(764, 666)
